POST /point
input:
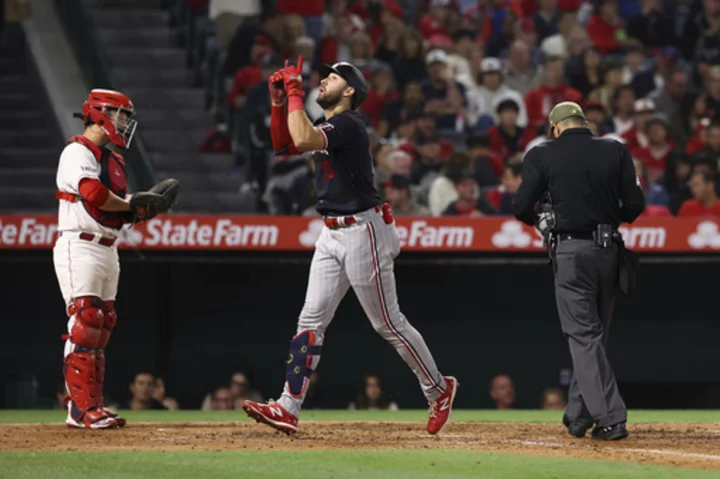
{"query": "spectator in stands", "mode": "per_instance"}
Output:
(502, 197)
(704, 62)
(434, 22)
(712, 92)
(444, 96)
(442, 190)
(240, 48)
(228, 15)
(248, 76)
(588, 77)
(383, 162)
(405, 131)
(427, 165)
(142, 388)
(159, 395)
(397, 193)
(361, 53)
(597, 117)
(400, 164)
(577, 43)
(388, 49)
(606, 28)
(705, 199)
(508, 137)
(221, 400)
(486, 164)
(502, 391)
(468, 203)
(520, 74)
(381, 94)
(710, 151)
(623, 104)
(293, 28)
(397, 109)
(540, 101)
(635, 137)
(410, 64)
(336, 47)
(372, 396)
(546, 19)
(657, 198)
(553, 399)
(653, 27)
(655, 155)
(634, 61)
(459, 61)
(311, 12)
(483, 100)
(241, 389)
(611, 80)
(668, 99)
(697, 23)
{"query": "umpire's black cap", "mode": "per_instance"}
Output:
(352, 75)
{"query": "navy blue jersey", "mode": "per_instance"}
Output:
(344, 169)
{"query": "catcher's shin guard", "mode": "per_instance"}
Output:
(299, 363)
(81, 360)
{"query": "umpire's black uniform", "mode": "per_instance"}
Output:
(591, 182)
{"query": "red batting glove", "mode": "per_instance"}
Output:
(292, 79)
(277, 92)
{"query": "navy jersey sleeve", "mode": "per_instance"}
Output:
(340, 131)
(533, 185)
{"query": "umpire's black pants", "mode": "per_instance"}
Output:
(585, 289)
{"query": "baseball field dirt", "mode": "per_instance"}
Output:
(477, 444)
(686, 445)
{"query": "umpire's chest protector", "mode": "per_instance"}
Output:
(112, 176)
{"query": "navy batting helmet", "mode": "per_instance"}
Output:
(353, 76)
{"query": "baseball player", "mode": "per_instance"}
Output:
(94, 206)
(356, 248)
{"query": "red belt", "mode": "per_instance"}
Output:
(343, 221)
(91, 237)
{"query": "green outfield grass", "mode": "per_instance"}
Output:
(340, 464)
(367, 464)
(478, 415)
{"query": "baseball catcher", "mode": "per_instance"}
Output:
(93, 208)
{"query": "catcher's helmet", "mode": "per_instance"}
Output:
(97, 109)
(352, 76)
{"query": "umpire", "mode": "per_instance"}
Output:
(592, 187)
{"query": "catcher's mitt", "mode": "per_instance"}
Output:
(158, 199)
(169, 190)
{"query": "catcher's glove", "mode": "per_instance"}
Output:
(169, 190)
(159, 199)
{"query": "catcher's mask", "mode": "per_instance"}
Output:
(112, 112)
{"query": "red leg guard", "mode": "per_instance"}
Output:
(81, 363)
(80, 379)
(110, 318)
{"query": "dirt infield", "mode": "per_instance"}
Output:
(686, 445)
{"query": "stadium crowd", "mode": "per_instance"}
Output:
(461, 89)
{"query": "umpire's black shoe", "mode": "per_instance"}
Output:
(576, 428)
(610, 433)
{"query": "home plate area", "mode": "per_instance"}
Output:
(686, 445)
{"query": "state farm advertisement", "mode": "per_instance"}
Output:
(283, 233)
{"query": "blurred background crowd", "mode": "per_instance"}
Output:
(146, 391)
(461, 89)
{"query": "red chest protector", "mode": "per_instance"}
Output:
(112, 176)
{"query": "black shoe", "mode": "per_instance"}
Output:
(610, 433)
(576, 428)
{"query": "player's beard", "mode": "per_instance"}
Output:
(329, 99)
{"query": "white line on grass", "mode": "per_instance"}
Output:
(663, 452)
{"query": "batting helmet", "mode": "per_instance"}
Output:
(97, 108)
(352, 76)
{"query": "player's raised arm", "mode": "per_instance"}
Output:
(282, 143)
(302, 132)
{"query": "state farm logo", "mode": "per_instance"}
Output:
(310, 236)
(706, 236)
(422, 235)
(223, 232)
(511, 234)
(652, 237)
